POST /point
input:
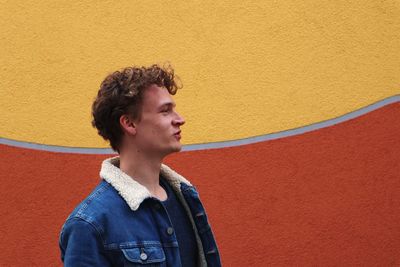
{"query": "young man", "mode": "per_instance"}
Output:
(142, 213)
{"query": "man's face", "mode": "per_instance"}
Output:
(158, 131)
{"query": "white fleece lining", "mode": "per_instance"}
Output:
(131, 191)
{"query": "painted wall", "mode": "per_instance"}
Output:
(292, 110)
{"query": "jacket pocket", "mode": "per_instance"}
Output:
(146, 256)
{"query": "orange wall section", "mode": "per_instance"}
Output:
(326, 197)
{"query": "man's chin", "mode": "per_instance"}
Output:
(174, 149)
(178, 148)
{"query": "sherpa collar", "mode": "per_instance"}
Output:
(131, 191)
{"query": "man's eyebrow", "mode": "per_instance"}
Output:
(168, 104)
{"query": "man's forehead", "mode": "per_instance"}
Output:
(157, 96)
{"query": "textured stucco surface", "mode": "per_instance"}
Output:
(259, 66)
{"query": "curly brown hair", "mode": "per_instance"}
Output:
(121, 93)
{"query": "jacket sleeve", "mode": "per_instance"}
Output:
(81, 245)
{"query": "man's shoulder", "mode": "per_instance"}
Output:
(102, 201)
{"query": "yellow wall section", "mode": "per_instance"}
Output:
(247, 68)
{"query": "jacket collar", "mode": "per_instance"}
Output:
(131, 191)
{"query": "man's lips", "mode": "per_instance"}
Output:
(178, 135)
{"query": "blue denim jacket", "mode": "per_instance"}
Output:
(120, 224)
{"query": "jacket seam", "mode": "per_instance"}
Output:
(97, 231)
(92, 196)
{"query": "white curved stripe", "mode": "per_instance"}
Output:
(214, 145)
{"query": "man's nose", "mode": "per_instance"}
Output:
(179, 120)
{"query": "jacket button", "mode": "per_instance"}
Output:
(143, 256)
(170, 230)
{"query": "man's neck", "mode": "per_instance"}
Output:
(144, 169)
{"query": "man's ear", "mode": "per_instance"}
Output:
(128, 125)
